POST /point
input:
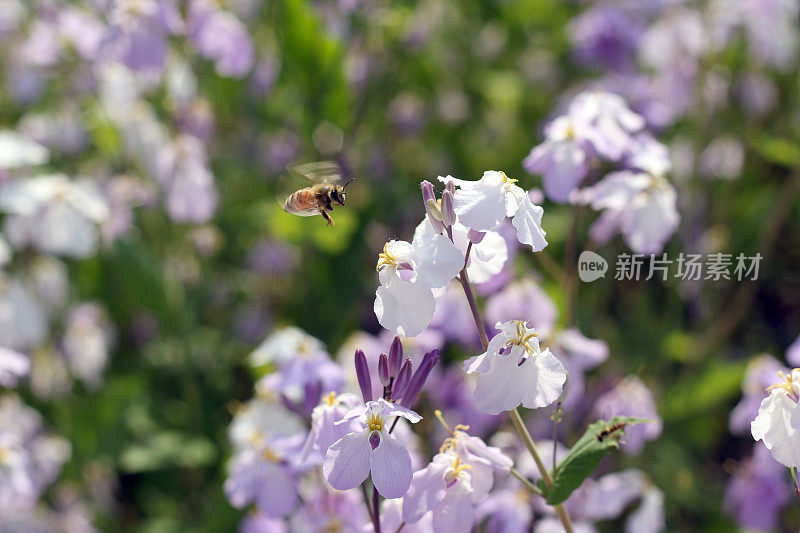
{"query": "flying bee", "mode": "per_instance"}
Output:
(317, 199)
(609, 430)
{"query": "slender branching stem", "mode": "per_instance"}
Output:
(521, 429)
(525, 481)
(796, 488)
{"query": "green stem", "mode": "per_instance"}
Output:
(796, 489)
(525, 481)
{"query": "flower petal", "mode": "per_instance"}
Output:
(404, 308)
(426, 492)
(438, 260)
(390, 465)
(347, 462)
(528, 223)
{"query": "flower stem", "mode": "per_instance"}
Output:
(376, 505)
(794, 480)
(525, 481)
(526, 437)
(523, 431)
(366, 502)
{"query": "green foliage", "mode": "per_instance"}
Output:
(584, 457)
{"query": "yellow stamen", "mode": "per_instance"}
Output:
(5, 455)
(385, 258)
(450, 442)
(375, 422)
(786, 384)
(507, 180)
(330, 399)
(457, 469)
(269, 455)
(523, 339)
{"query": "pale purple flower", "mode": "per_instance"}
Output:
(254, 475)
(757, 493)
(778, 420)
(680, 36)
(371, 450)
(183, 171)
(606, 35)
(327, 510)
(483, 204)
(86, 343)
(261, 419)
(611, 123)
(220, 37)
(325, 429)
(563, 158)
(723, 158)
(138, 32)
(793, 353)
(260, 523)
(523, 299)
(514, 371)
(760, 374)
(631, 398)
(83, 29)
(649, 516)
(24, 322)
(13, 366)
(61, 131)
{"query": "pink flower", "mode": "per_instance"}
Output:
(371, 450)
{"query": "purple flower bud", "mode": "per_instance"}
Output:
(429, 199)
(448, 214)
(450, 187)
(362, 373)
(395, 357)
(403, 377)
(383, 369)
(419, 377)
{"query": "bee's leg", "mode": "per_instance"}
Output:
(327, 217)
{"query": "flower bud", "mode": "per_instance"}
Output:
(383, 369)
(450, 187)
(419, 377)
(362, 373)
(475, 237)
(403, 377)
(431, 207)
(395, 357)
(448, 214)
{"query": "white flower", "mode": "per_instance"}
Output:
(408, 272)
(481, 205)
(778, 420)
(514, 371)
(18, 151)
(487, 257)
(54, 214)
(612, 122)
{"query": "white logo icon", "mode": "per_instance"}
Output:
(591, 266)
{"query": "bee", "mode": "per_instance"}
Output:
(317, 199)
(609, 430)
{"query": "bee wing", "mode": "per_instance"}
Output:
(327, 171)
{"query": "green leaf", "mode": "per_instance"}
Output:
(779, 150)
(584, 457)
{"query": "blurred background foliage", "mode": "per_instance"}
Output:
(398, 92)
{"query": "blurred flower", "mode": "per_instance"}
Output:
(182, 169)
(17, 150)
(325, 426)
(524, 299)
(220, 37)
(29, 459)
(13, 366)
(760, 374)
(639, 203)
(605, 34)
(23, 320)
(371, 450)
(54, 214)
(514, 371)
(328, 510)
(793, 353)
(757, 493)
(138, 32)
(87, 341)
(723, 158)
(481, 205)
(61, 131)
(778, 420)
(631, 398)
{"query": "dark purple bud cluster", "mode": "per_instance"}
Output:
(400, 385)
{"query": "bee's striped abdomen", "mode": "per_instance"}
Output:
(301, 201)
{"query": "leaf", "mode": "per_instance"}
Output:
(584, 457)
(779, 150)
